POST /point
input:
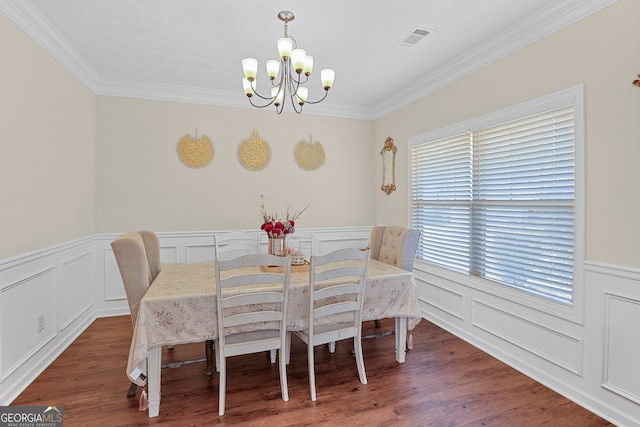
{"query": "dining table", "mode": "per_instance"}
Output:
(179, 307)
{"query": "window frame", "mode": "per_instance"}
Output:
(571, 96)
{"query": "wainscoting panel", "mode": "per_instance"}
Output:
(329, 241)
(28, 318)
(199, 253)
(555, 347)
(169, 254)
(593, 361)
(113, 286)
(46, 300)
(621, 373)
(76, 288)
(444, 299)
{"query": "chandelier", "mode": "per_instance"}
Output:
(292, 71)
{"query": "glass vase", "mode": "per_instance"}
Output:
(278, 246)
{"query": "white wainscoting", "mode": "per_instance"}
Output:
(46, 301)
(49, 297)
(595, 362)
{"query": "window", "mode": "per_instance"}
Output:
(495, 198)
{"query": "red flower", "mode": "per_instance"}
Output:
(275, 227)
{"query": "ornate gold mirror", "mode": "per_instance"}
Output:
(388, 154)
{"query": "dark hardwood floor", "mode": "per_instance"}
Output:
(444, 382)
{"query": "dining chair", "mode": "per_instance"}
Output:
(236, 243)
(231, 245)
(336, 295)
(251, 299)
(132, 258)
(137, 255)
(394, 245)
(302, 241)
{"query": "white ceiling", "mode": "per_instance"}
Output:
(191, 50)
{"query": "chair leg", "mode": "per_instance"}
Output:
(288, 350)
(377, 322)
(312, 372)
(217, 352)
(223, 385)
(132, 390)
(284, 389)
(357, 344)
(208, 345)
(272, 356)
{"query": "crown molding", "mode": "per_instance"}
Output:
(196, 95)
(547, 21)
(30, 20)
(536, 27)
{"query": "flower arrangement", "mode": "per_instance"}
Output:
(279, 225)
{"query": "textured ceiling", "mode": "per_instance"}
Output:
(191, 50)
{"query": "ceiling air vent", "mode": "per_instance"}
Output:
(413, 37)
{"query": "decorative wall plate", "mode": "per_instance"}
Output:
(195, 152)
(254, 154)
(309, 155)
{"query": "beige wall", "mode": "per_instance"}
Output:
(141, 183)
(47, 148)
(57, 186)
(601, 51)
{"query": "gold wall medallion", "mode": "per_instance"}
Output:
(309, 155)
(195, 152)
(254, 154)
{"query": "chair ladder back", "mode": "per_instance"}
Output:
(251, 311)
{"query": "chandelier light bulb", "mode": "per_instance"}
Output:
(246, 84)
(308, 65)
(274, 94)
(298, 58)
(285, 46)
(327, 76)
(273, 68)
(302, 94)
(279, 98)
(250, 68)
(278, 95)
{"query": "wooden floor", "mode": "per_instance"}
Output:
(444, 382)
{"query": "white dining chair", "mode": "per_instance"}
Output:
(302, 241)
(252, 319)
(336, 294)
(231, 245)
(236, 243)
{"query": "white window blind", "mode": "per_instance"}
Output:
(499, 202)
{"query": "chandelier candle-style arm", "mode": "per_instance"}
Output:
(294, 69)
